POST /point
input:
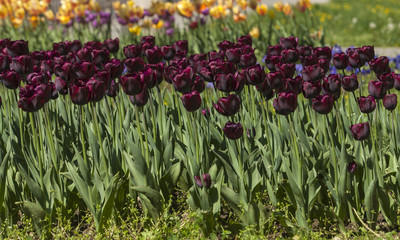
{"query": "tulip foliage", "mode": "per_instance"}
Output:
(218, 126)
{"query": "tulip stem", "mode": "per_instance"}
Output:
(96, 125)
(335, 166)
(36, 145)
(139, 128)
(21, 132)
(81, 116)
(394, 133)
(50, 137)
(153, 118)
(145, 137)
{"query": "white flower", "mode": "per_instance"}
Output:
(372, 25)
(354, 20)
(390, 26)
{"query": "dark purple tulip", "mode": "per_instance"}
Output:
(271, 61)
(311, 89)
(390, 102)
(397, 81)
(377, 89)
(351, 167)
(323, 52)
(148, 39)
(46, 90)
(275, 80)
(170, 72)
(115, 67)
(233, 55)
(131, 83)
(340, 60)
(245, 40)
(218, 67)
(225, 82)
(274, 50)
(224, 45)
(350, 83)
(199, 57)
(206, 179)
(305, 50)
(247, 60)
(100, 56)
(154, 55)
(96, 89)
(366, 104)
(113, 89)
(158, 70)
(380, 65)
(17, 48)
(206, 74)
(198, 84)
(4, 42)
(61, 47)
(10, 79)
(0, 101)
(37, 78)
(214, 55)
(140, 99)
(132, 51)
(255, 75)
(324, 64)
(265, 89)
(168, 51)
(183, 81)
(21, 64)
(84, 55)
(149, 77)
(191, 101)
(331, 83)
(61, 86)
(206, 112)
(290, 55)
(289, 42)
(233, 131)
(75, 45)
(79, 93)
(360, 131)
(84, 70)
(388, 78)
(323, 104)
(30, 100)
(181, 45)
(228, 106)
(287, 69)
(37, 57)
(286, 103)
(134, 65)
(294, 85)
(4, 63)
(309, 60)
(367, 53)
(240, 80)
(355, 60)
(66, 72)
(112, 45)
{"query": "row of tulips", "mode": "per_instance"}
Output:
(146, 142)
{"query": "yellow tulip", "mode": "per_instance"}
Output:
(287, 9)
(3, 12)
(242, 4)
(185, 8)
(135, 30)
(116, 5)
(255, 32)
(262, 9)
(159, 25)
(16, 22)
(278, 6)
(49, 15)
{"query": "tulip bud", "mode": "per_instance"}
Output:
(367, 53)
(30, 100)
(17, 48)
(154, 55)
(11, 79)
(274, 50)
(390, 102)
(312, 73)
(168, 52)
(233, 55)
(183, 81)
(181, 45)
(100, 56)
(84, 70)
(377, 89)
(21, 64)
(132, 51)
(323, 52)
(198, 85)
(112, 45)
(388, 78)
(134, 65)
(331, 83)
(366, 104)
(286, 103)
(206, 179)
(380, 65)
(247, 60)
(191, 101)
(79, 93)
(294, 85)
(255, 74)
(355, 60)
(206, 112)
(275, 80)
(115, 67)
(290, 55)
(224, 45)
(131, 83)
(397, 81)
(289, 42)
(96, 89)
(113, 89)
(228, 106)
(4, 63)
(148, 39)
(350, 83)
(140, 99)
(323, 104)
(311, 89)
(340, 60)
(271, 61)
(351, 167)
(360, 131)
(233, 131)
